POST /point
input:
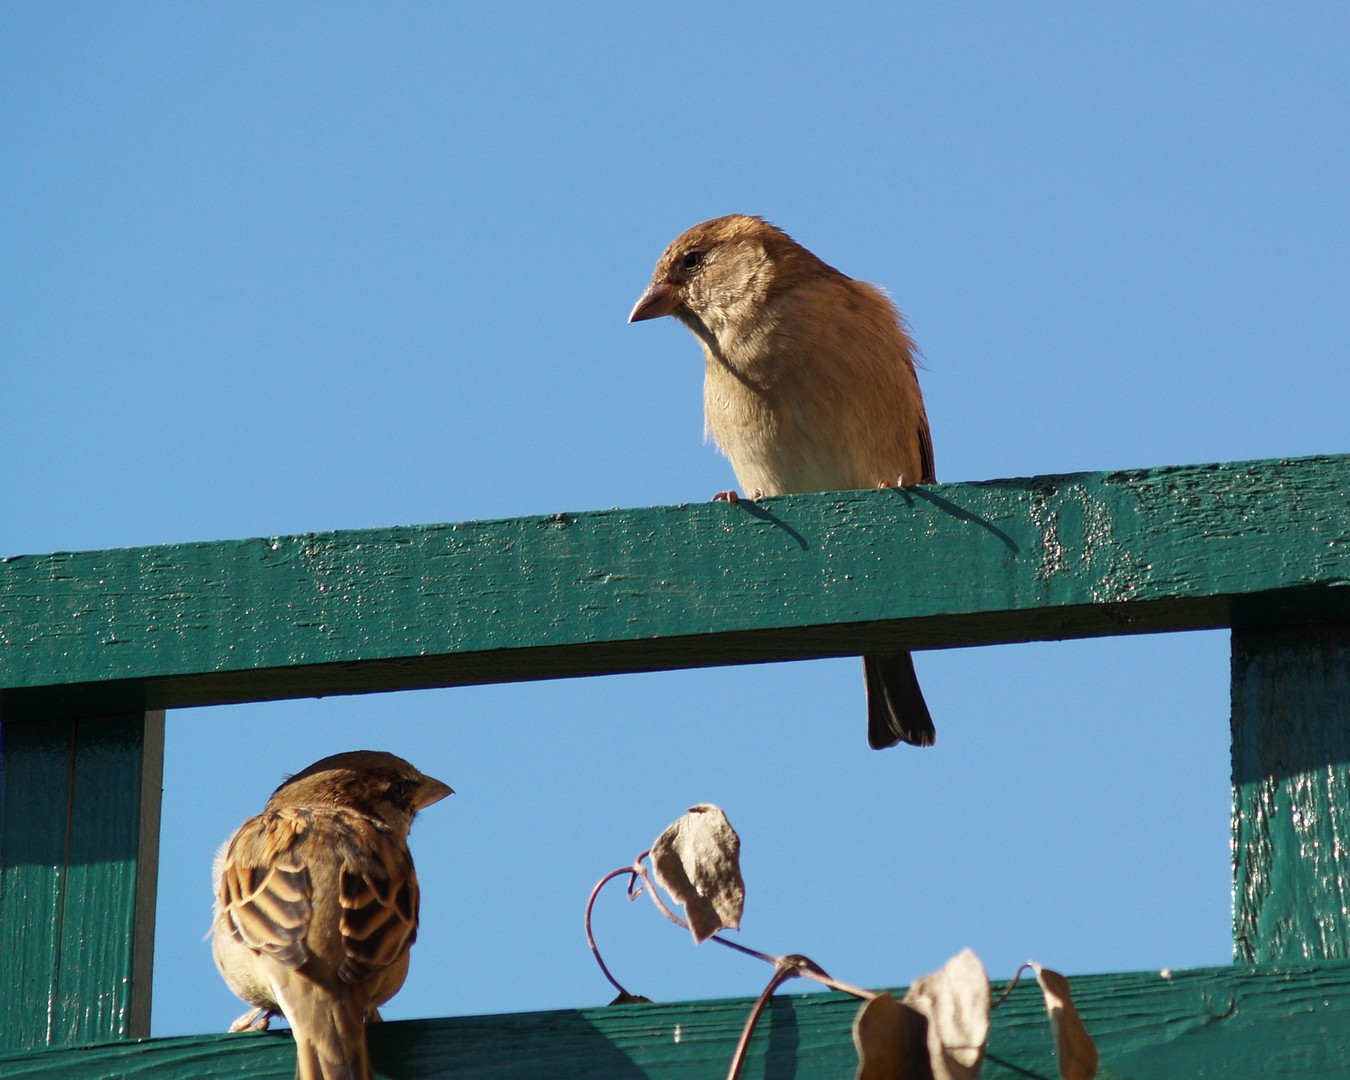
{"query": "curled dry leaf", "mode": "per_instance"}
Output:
(955, 1000)
(697, 861)
(892, 1041)
(1077, 1052)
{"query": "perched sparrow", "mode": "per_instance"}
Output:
(809, 386)
(316, 905)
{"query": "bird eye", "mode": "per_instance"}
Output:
(691, 259)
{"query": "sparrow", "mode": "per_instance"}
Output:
(809, 385)
(316, 905)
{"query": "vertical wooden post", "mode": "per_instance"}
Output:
(1291, 793)
(79, 849)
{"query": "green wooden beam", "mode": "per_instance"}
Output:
(1292, 1022)
(90, 641)
(79, 842)
(1291, 793)
(1241, 544)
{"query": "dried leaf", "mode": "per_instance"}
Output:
(892, 1041)
(956, 1002)
(625, 998)
(1077, 1052)
(697, 861)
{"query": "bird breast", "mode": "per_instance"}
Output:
(816, 392)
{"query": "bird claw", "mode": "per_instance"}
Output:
(253, 1020)
(899, 482)
(731, 498)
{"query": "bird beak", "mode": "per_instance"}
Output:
(431, 791)
(661, 298)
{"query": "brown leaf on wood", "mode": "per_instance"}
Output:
(697, 861)
(1074, 1046)
(892, 1041)
(955, 1000)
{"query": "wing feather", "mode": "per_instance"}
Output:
(265, 888)
(380, 899)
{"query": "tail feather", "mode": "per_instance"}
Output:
(336, 1047)
(896, 710)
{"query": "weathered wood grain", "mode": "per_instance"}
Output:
(78, 855)
(1242, 544)
(1229, 1023)
(1258, 546)
(1291, 793)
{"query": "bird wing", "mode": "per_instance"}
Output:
(264, 889)
(378, 891)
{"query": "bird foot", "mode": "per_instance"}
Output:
(731, 498)
(898, 482)
(253, 1020)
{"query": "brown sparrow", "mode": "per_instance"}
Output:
(809, 385)
(316, 905)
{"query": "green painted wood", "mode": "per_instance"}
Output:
(1242, 544)
(1291, 793)
(78, 853)
(1291, 1021)
(1254, 546)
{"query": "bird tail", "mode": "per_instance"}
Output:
(896, 710)
(335, 1047)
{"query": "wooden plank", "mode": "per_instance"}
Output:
(1289, 1021)
(81, 805)
(36, 759)
(1291, 793)
(1244, 544)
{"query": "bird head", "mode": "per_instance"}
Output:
(377, 783)
(719, 275)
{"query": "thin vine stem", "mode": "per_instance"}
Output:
(745, 949)
(785, 967)
(590, 937)
(809, 970)
(782, 972)
(1009, 988)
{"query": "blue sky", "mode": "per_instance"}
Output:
(279, 268)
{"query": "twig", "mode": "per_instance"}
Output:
(785, 967)
(641, 871)
(808, 968)
(1009, 988)
(783, 971)
(590, 937)
(843, 987)
(745, 949)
